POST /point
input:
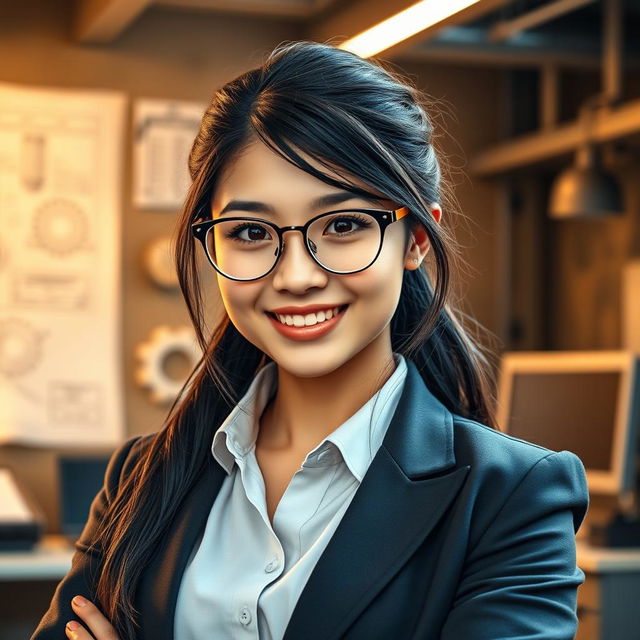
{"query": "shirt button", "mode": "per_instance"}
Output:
(245, 616)
(271, 566)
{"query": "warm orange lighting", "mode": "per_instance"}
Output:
(403, 25)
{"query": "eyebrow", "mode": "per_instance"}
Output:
(323, 201)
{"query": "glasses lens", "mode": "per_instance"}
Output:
(242, 248)
(345, 241)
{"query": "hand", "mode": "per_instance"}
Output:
(99, 626)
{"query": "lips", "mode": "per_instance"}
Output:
(307, 332)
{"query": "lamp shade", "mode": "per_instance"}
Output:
(585, 190)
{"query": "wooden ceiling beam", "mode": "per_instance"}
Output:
(506, 29)
(101, 21)
(470, 45)
(607, 125)
(296, 9)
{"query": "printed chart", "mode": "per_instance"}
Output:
(60, 185)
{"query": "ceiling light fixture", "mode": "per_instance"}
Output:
(586, 190)
(403, 25)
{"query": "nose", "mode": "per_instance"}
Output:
(296, 270)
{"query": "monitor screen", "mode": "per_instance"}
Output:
(572, 410)
(81, 478)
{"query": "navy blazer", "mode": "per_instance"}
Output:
(457, 532)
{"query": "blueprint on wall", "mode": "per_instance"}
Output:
(60, 186)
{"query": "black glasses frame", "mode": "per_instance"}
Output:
(384, 217)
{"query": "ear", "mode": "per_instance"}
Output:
(419, 244)
(436, 211)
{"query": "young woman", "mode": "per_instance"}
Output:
(332, 468)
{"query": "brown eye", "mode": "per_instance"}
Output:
(256, 233)
(346, 224)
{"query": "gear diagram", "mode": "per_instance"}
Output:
(60, 227)
(153, 355)
(158, 261)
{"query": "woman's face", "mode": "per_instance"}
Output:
(261, 175)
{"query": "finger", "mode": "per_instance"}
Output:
(99, 626)
(76, 631)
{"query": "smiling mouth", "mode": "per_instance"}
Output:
(275, 316)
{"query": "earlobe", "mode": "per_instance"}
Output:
(419, 247)
(411, 264)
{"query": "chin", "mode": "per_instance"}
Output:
(306, 364)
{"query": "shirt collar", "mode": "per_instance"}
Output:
(356, 440)
(237, 434)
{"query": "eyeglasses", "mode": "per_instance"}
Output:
(342, 241)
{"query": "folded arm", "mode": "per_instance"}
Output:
(521, 579)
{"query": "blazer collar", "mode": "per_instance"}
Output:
(395, 507)
(420, 435)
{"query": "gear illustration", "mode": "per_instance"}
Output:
(20, 347)
(152, 356)
(60, 227)
(158, 261)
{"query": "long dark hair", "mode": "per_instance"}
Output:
(361, 116)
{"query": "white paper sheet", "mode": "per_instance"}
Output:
(13, 508)
(60, 186)
(163, 134)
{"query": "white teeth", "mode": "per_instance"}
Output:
(308, 319)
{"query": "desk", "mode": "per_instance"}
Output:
(50, 559)
(608, 606)
(28, 580)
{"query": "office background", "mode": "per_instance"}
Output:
(536, 283)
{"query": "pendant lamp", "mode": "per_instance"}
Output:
(585, 190)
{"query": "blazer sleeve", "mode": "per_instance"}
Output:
(84, 564)
(521, 579)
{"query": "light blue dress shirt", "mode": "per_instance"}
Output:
(244, 577)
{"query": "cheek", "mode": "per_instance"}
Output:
(377, 289)
(380, 286)
(384, 277)
(239, 300)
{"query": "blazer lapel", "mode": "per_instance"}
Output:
(392, 512)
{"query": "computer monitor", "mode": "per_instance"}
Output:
(587, 402)
(80, 479)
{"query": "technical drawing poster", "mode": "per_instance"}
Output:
(163, 134)
(60, 185)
